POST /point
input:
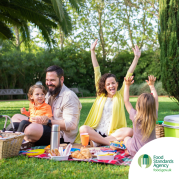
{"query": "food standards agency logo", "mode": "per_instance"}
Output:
(144, 161)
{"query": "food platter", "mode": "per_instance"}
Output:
(116, 145)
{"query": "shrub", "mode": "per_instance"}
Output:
(169, 38)
(160, 89)
(137, 89)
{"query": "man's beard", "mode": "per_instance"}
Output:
(56, 90)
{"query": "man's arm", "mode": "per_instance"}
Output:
(70, 116)
(59, 122)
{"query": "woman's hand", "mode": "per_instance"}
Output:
(93, 56)
(40, 120)
(137, 52)
(129, 80)
(151, 80)
(93, 45)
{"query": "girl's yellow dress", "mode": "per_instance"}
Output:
(118, 113)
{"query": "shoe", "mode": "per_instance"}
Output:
(94, 144)
(26, 145)
(16, 125)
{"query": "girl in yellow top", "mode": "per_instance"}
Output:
(107, 114)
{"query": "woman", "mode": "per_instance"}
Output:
(107, 114)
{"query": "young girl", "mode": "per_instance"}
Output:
(143, 118)
(107, 114)
(37, 106)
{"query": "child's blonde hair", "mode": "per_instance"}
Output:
(31, 91)
(146, 114)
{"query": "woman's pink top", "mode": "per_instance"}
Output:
(135, 143)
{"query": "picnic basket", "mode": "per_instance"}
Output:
(10, 142)
(159, 129)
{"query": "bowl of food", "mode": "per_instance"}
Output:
(83, 154)
(56, 155)
(47, 149)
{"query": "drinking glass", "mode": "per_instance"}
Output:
(84, 139)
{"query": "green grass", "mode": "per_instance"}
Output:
(24, 167)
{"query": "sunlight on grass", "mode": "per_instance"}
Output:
(24, 167)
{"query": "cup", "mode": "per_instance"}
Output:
(84, 139)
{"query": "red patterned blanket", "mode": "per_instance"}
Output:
(121, 158)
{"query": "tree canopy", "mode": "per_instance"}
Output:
(169, 38)
(44, 14)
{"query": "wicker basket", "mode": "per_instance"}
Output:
(159, 130)
(10, 144)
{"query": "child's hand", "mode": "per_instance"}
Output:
(23, 110)
(129, 80)
(93, 45)
(40, 120)
(151, 80)
(137, 52)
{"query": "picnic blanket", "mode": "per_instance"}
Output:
(120, 158)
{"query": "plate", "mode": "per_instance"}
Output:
(74, 149)
(35, 152)
(117, 145)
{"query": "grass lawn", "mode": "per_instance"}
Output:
(24, 167)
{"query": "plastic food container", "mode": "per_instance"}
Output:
(105, 156)
(59, 158)
(171, 126)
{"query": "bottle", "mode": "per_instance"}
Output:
(55, 137)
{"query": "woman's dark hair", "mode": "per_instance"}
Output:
(57, 69)
(101, 84)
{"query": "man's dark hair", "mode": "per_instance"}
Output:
(57, 69)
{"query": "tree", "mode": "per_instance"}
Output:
(169, 44)
(44, 14)
(117, 24)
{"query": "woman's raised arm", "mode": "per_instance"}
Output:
(137, 54)
(131, 69)
(93, 56)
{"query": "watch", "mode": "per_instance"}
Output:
(49, 123)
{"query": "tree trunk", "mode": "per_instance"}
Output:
(61, 38)
(144, 30)
(128, 26)
(101, 34)
(17, 37)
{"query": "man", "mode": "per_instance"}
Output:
(65, 109)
